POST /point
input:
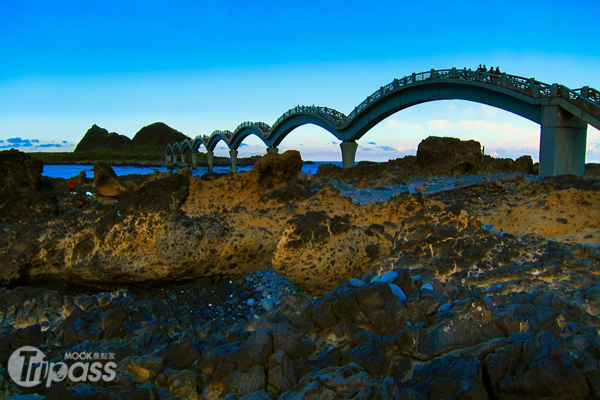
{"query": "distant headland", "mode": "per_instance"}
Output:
(147, 147)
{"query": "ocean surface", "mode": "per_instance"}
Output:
(67, 171)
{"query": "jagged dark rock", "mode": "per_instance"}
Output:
(98, 138)
(449, 155)
(156, 135)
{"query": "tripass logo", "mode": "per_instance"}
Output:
(28, 367)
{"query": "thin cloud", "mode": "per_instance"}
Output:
(513, 152)
(438, 124)
(386, 148)
(34, 144)
(481, 125)
(17, 142)
(405, 126)
(489, 111)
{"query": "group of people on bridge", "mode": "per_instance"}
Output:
(491, 71)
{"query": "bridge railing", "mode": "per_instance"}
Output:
(588, 99)
(263, 129)
(545, 89)
(529, 86)
(594, 95)
(227, 135)
(334, 117)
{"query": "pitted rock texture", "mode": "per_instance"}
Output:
(316, 251)
(440, 306)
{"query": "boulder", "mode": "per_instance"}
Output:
(144, 367)
(273, 170)
(105, 181)
(346, 382)
(255, 350)
(448, 377)
(542, 366)
(18, 172)
(283, 374)
(247, 382)
(290, 340)
(449, 155)
(524, 164)
(472, 323)
(180, 354)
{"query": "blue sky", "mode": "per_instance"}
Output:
(205, 65)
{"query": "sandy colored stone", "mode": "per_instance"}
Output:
(105, 181)
(564, 215)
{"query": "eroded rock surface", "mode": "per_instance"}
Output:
(416, 297)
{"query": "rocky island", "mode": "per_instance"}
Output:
(476, 280)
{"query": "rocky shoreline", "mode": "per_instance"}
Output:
(358, 283)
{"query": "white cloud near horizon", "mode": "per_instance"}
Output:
(438, 124)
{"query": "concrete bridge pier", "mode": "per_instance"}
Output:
(167, 159)
(183, 159)
(193, 160)
(348, 154)
(210, 159)
(562, 142)
(233, 157)
(272, 150)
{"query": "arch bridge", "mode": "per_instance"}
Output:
(562, 113)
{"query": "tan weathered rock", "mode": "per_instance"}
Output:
(105, 181)
(273, 170)
(316, 252)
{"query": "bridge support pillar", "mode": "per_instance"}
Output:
(272, 150)
(167, 159)
(210, 159)
(348, 153)
(193, 160)
(562, 142)
(233, 157)
(183, 159)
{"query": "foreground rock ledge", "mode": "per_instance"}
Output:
(415, 297)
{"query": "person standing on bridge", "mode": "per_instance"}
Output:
(491, 78)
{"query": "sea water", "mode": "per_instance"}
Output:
(68, 171)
